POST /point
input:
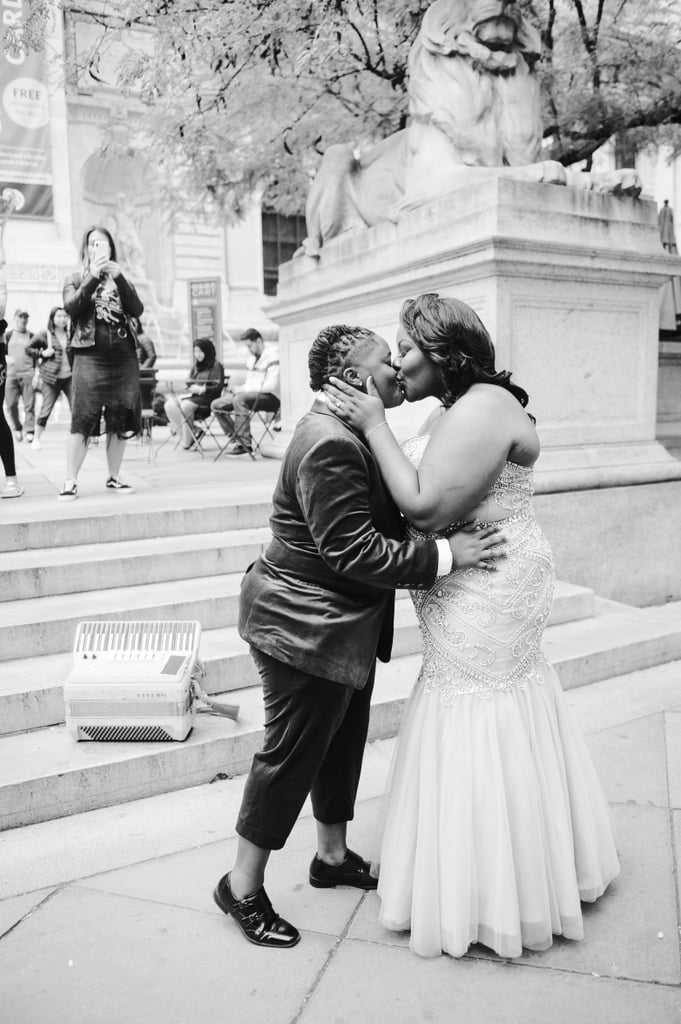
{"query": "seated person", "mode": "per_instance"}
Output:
(205, 383)
(260, 390)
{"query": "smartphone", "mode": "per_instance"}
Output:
(100, 247)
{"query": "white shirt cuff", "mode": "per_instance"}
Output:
(444, 557)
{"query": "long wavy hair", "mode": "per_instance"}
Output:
(456, 341)
(84, 257)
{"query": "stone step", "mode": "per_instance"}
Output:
(619, 639)
(46, 774)
(31, 688)
(136, 517)
(39, 572)
(69, 848)
(47, 625)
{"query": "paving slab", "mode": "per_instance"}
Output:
(92, 842)
(631, 932)
(147, 945)
(15, 910)
(630, 759)
(672, 720)
(620, 699)
(366, 983)
(85, 956)
(187, 879)
(621, 930)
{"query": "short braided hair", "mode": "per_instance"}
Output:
(333, 350)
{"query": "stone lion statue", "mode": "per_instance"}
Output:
(474, 103)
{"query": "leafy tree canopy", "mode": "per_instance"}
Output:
(239, 95)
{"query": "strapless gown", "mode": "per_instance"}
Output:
(495, 825)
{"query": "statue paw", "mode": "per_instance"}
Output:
(552, 172)
(623, 182)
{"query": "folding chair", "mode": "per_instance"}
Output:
(268, 419)
(201, 425)
(147, 389)
(271, 424)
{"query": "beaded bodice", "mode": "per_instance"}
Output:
(511, 492)
(482, 630)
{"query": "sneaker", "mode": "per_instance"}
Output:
(12, 490)
(29, 437)
(69, 491)
(114, 483)
(18, 435)
(36, 445)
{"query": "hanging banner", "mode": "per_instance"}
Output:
(24, 119)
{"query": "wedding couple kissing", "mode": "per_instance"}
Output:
(495, 827)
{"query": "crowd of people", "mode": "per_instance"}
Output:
(95, 352)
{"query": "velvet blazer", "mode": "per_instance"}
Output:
(321, 597)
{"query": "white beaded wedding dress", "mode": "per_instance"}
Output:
(495, 825)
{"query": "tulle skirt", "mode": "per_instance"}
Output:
(495, 825)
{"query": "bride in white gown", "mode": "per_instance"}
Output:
(495, 824)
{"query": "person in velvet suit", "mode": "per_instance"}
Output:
(317, 610)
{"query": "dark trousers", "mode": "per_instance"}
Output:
(51, 393)
(315, 733)
(6, 439)
(21, 387)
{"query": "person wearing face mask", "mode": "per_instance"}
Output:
(49, 351)
(101, 304)
(206, 380)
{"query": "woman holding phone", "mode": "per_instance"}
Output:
(101, 302)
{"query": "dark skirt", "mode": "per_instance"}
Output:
(106, 382)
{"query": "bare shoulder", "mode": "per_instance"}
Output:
(479, 403)
(431, 420)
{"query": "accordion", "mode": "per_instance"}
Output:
(132, 681)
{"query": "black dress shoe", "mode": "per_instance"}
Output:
(256, 917)
(353, 871)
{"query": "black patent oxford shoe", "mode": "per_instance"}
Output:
(256, 917)
(353, 871)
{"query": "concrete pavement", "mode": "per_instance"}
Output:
(108, 916)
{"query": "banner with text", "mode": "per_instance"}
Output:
(205, 314)
(24, 119)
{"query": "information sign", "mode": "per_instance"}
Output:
(205, 314)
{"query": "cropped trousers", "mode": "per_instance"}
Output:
(315, 734)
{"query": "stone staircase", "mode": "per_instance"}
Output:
(175, 563)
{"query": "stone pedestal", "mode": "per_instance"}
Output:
(669, 394)
(566, 281)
